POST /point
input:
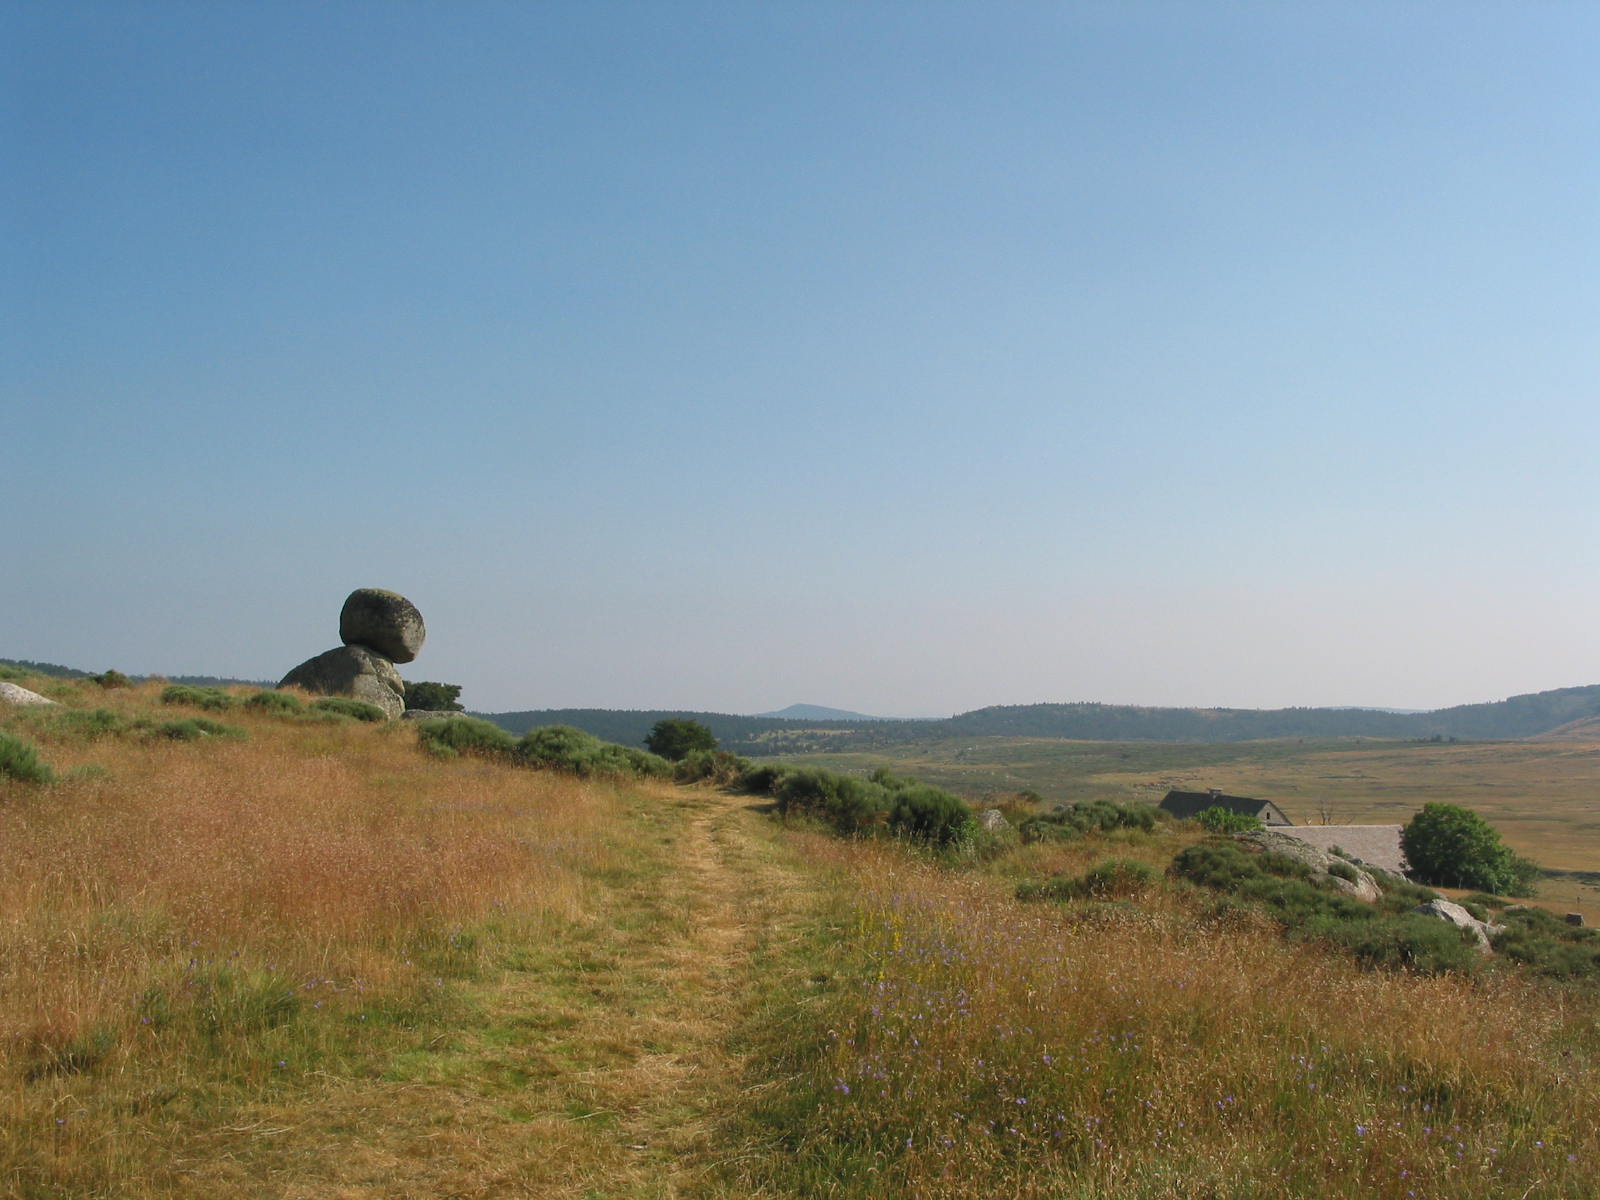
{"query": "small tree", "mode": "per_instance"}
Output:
(1450, 846)
(676, 738)
(433, 697)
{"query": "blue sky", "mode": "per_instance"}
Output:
(901, 357)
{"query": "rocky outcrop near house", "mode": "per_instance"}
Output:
(383, 621)
(1446, 910)
(11, 693)
(1338, 873)
(378, 628)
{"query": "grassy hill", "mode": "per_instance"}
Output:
(291, 954)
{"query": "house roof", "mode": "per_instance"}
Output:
(1188, 804)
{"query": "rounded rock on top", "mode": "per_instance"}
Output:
(383, 621)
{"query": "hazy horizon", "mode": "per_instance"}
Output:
(904, 358)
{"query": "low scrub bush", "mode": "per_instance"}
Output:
(19, 760)
(446, 737)
(193, 729)
(82, 724)
(719, 767)
(1074, 821)
(563, 748)
(1224, 820)
(1402, 940)
(927, 814)
(212, 699)
(278, 704)
(111, 679)
(763, 779)
(1114, 879)
(345, 706)
(848, 804)
(1548, 945)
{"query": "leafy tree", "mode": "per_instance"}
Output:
(676, 739)
(434, 697)
(1450, 846)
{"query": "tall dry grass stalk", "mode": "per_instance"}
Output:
(184, 923)
(997, 1049)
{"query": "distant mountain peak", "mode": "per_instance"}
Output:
(816, 712)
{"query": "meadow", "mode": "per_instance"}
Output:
(1542, 795)
(297, 956)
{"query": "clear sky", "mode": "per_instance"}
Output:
(902, 357)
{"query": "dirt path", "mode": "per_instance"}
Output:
(600, 1068)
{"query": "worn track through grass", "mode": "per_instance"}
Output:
(599, 1066)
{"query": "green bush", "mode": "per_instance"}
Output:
(345, 706)
(19, 760)
(446, 737)
(1548, 945)
(279, 704)
(1066, 824)
(848, 804)
(194, 729)
(112, 679)
(84, 724)
(765, 778)
(719, 767)
(212, 699)
(1224, 820)
(1343, 870)
(1404, 940)
(563, 748)
(928, 814)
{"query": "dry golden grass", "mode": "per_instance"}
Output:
(988, 1049)
(198, 926)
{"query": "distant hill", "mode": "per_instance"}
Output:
(60, 672)
(817, 712)
(1524, 716)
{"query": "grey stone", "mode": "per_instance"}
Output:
(1446, 910)
(13, 693)
(993, 820)
(354, 671)
(1363, 887)
(383, 621)
(429, 714)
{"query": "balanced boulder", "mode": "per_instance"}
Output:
(355, 671)
(383, 621)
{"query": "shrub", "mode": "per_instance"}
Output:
(212, 699)
(764, 780)
(1405, 940)
(82, 724)
(446, 737)
(112, 679)
(1451, 846)
(563, 748)
(927, 814)
(675, 738)
(345, 706)
(1114, 879)
(848, 804)
(194, 729)
(1072, 822)
(1224, 820)
(281, 704)
(1549, 946)
(19, 760)
(719, 767)
(1343, 870)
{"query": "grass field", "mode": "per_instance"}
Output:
(298, 957)
(1543, 796)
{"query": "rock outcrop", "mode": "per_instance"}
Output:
(1446, 910)
(11, 693)
(378, 629)
(383, 621)
(1341, 874)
